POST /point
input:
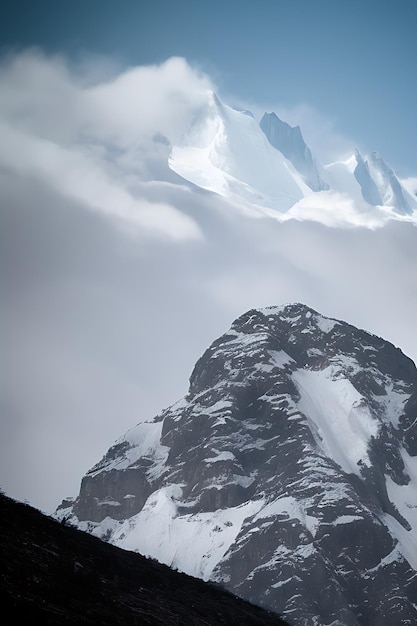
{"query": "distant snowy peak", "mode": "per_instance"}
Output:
(390, 188)
(371, 179)
(370, 191)
(380, 185)
(289, 140)
(225, 151)
(267, 168)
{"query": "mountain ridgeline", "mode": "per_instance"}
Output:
(290, 142)
(268, 167)
(288, 473)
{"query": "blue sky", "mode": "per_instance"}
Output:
(352, 62)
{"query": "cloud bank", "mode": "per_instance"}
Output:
(94, 142)
(116, 275)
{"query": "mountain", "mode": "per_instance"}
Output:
(268, 167)
(225, 151)
(288, 473)
(389, 187)
(55, 574)
(370, 179)
(289, 141)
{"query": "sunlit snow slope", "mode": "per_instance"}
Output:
(288, 472)
(225, 151)
(269, 168)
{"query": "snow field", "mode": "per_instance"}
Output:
(340, 424)
(193, 544)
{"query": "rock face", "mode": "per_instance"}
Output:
(288, 473)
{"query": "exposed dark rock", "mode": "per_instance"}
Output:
(118, 494)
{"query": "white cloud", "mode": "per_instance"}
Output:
(77, 176)
(148, 100)
(339, 210)
(48, 97)
(92, 143)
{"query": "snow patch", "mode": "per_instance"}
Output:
(218, 406)
(346, 519)
(280, 358)
(282, 582)
(221, 456)
(325, 324)
(393, 556)
(143, 441)
(292, 508)
(192, 543)
(392, 404)
(340, 424)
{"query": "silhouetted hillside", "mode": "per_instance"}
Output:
(59, 575)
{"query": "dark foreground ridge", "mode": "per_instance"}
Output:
(57, 574)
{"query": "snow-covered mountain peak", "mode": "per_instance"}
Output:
(391, 191)
(269, 169)
(288, 472)
(225, 151)
(369, 179)
(289, 141)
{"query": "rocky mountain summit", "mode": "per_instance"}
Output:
(288, 473)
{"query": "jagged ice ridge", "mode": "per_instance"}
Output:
(270, 169)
